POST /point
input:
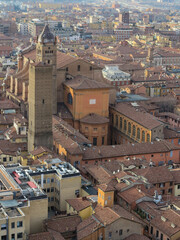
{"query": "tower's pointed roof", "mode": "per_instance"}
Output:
(46, 35)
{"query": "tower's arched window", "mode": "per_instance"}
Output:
(129, 127)
(143, 136)
(69, 98)
(138, 133)
(134, 131)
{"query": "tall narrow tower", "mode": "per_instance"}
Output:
(46, 51)
(40, 105)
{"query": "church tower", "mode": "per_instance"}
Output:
(46, 51)
(42, 88)
(40, 106)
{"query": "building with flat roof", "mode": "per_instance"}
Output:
(23, 205)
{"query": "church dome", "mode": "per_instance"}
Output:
(46, 36)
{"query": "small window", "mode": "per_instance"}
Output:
(43, 101)
(161, 236)
(3, 226)
(102, 140)
(170, 190)
(48, 61)
(94, 141)
(78, 68)
(12, 225)
(109, 198)
(13, 236)
(90, 68)
(95, 129)
(106, 202)
(171, 153)
(67, 69)
(77, 192)
(19, 235)
(70, 99)
(19, 224)
(4, 159)
(52, 179)
(120, 232)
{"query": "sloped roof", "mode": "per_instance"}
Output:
(93, 118)
(81, 82)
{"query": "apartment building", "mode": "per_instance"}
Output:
(60, 181)
(23, 204)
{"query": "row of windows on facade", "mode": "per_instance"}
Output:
(79, 68)
(13, 225)
(13, 236)
(94, 129)
(109, 197)
(5, 159)
(158, 235)
(95, 141)
(118, 82)
(120, 232)
(131, 129)
(48, 180)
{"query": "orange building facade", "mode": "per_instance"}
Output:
(88, 102)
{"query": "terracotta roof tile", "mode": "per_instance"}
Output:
(93, 118)
(87, 227)
(145, 119)
(136, 236)
(154, 175)
(79, 203)
(128, 150)
(82, 82)
(63, 224)
(41, 236)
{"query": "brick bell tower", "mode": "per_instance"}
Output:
(42, 88)
(46, 51)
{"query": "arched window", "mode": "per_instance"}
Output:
(138, 133)
(120, 122)
(116, 120)
(69, 98)
(148, 137)
(125, 125)
(143, 136)
(129, 127)
(134, 131)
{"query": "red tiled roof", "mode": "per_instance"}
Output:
(93, 118)
(82, 82)
(144, 119)
(79, 203)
